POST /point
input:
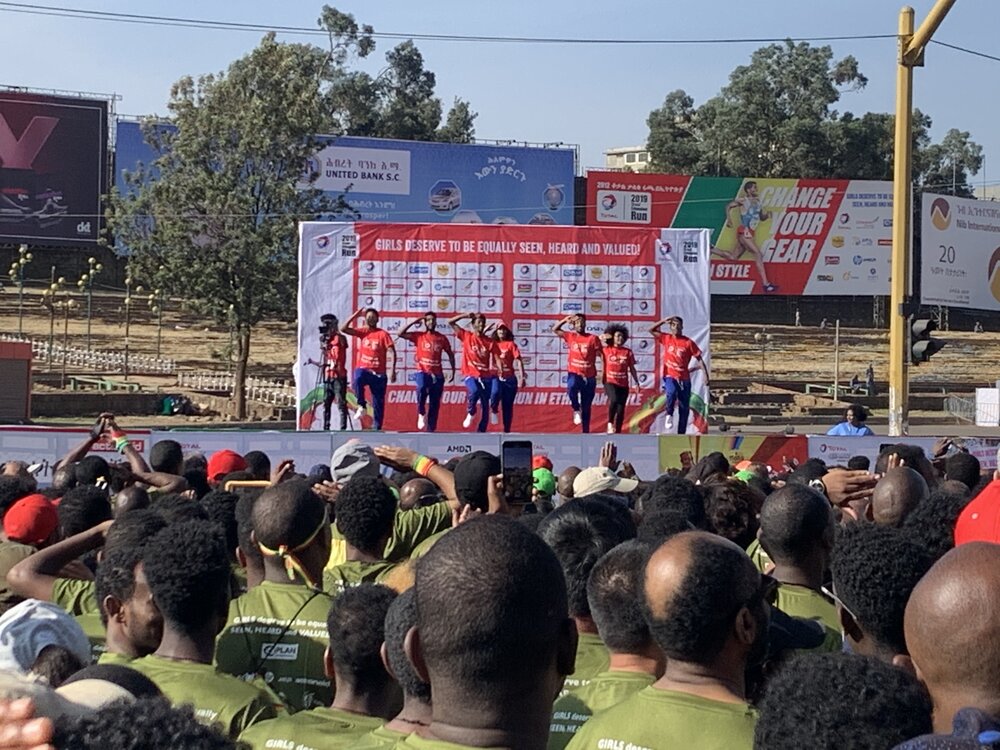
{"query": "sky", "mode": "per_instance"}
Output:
(595, 95)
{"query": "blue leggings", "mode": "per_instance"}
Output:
(581, 392)
(504, 391)
(479, 393)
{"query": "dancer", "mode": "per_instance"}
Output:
(506, 354)
(375, 349)
(430, 346)
(619, 363)
(477, 361)
(581, 380)
(676, 352)
(334, 367)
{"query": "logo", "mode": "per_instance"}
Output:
(872, 272)
(848, 276)
(279, 651)
(690, 251)
(418, 285)
(596, 306)
(348, 245)
(83, 227)
(664, 249)
(993, 273)
(442, 304)
(458, 449)
(941, 214)
(885, 243)
(844, 219)
(837, 240)
(20, 153)
(831, 260)
(322, 242)
(887, 222)
(418, 268)
(858, 260)
(824, 277)
(863, 242)
(608, 202)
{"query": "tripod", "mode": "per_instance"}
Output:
(334, 389)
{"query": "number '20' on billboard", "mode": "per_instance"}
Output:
(53, 157)
(415, 181)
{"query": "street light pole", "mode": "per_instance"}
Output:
(17, 275)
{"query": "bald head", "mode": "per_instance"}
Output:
(564, 485)
(417, 493)
(897, 494)
(952, 627)
(694, 586)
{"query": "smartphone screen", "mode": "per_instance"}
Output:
(517, 480)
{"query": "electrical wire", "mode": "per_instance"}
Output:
(966, 50)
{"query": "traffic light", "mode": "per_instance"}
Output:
(922, 346)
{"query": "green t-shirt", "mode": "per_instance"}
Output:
(217, 698)
(75, 596)
(604, 690)
(316, 729)
(11, 553)
(760, 559)
(415, 742)
(653, 718)
(262, 639)
(425, 546)
(379, 738)
(94, 629)
(354, 573)
(410, 528)
(804, 602)
(109, 657)
(592, 658)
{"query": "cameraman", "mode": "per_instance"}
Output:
(334, 345)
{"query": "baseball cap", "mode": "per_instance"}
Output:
(596, 479)
(28, 627)
(544, 481)
(979, 521)
(353, 459)
(472, 472)
(225, 462)
(31, 520)
(541, 462)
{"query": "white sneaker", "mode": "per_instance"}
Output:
(421, 422)
(577, 418)
(467, 422)
(359, 412)
(494, 419)
(611, 429)
(668, 424)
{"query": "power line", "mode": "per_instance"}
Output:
(180, 22)
(966, 50)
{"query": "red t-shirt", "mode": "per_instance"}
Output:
(476, 353)
(371, 350)
(336, 357)
(617, 362)
(583, 349)
(676, 353)
(431, 345)
(507, 352)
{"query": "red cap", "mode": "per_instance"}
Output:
(979, 521)
(225, 462)
(31, 520)
(541, 462)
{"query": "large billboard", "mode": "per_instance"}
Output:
(132, 150)
(53, 168)
(960, 252)
(769, 236)
(527, 276)
(415, 181)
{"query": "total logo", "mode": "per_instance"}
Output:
(608, 202)
(858, 260)
(844, 219)
(322, 242)
(664, 249)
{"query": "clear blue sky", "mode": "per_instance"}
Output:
(597, 96)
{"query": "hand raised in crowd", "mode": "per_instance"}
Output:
(497, 500)
(458, 517)
(327, 490)
(847, 486)
(19, 728)
(609, 456)
(284, 470)
(396, 457)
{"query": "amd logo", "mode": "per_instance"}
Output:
(459, 449)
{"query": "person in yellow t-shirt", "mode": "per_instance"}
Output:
(493, 638)
(796, 531)
(277, 630)
(366, 509)
(366, 694)
(580, 533)
(614, 594)
(707, 608)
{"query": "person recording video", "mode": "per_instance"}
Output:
(333, 368)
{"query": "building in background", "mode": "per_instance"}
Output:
(632, 158)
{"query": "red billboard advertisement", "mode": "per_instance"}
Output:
(768, 236)
(53, 168)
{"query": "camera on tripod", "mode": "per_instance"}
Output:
(328, 324)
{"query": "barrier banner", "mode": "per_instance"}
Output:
(528, 277)
(46, 445)
(769, 236)
(837, 451)
(684, 451)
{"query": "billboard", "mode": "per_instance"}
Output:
(416, 181)
(53, 168)
(132, 149)
(768, 236)
(529, 277)
(960, 252)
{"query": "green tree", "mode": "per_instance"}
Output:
(459, 127)
(676, 135)
(214, 221)
(947, 166)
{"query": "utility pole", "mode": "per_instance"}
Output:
(910, 55)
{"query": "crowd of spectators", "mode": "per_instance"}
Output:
(395, 600)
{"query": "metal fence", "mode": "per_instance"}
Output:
(273, 392)
(95, 360)
(961, 408)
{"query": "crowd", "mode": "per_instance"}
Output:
(395, 600)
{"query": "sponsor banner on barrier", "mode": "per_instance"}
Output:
(46, 445)
(802, 236)
(682, 452)
(837, 451)
(306, 448)
(960, 252)
(526, 277)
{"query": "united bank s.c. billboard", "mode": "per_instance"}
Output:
(769, 236)
(53, 157)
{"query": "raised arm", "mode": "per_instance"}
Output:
(408, 326)
(557, 329)
(455, 320)
(77, 452)
(404, 459)
(655, 328)
(35, 576)
(348, 328)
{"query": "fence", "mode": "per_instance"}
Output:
(96, 360)
(274, 392)
(961, 408)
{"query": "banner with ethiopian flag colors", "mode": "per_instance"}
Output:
(768, 236)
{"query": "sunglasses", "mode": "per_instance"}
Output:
(838, 601)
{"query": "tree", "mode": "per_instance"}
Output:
(946, 166)
(215, 219)
(675, 135)
(459, 127)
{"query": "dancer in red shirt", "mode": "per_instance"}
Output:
(506, 354)
(429, 379)
(581, 381)
(619, 363)
(676, 353)
(374, 350)
(477, 366)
